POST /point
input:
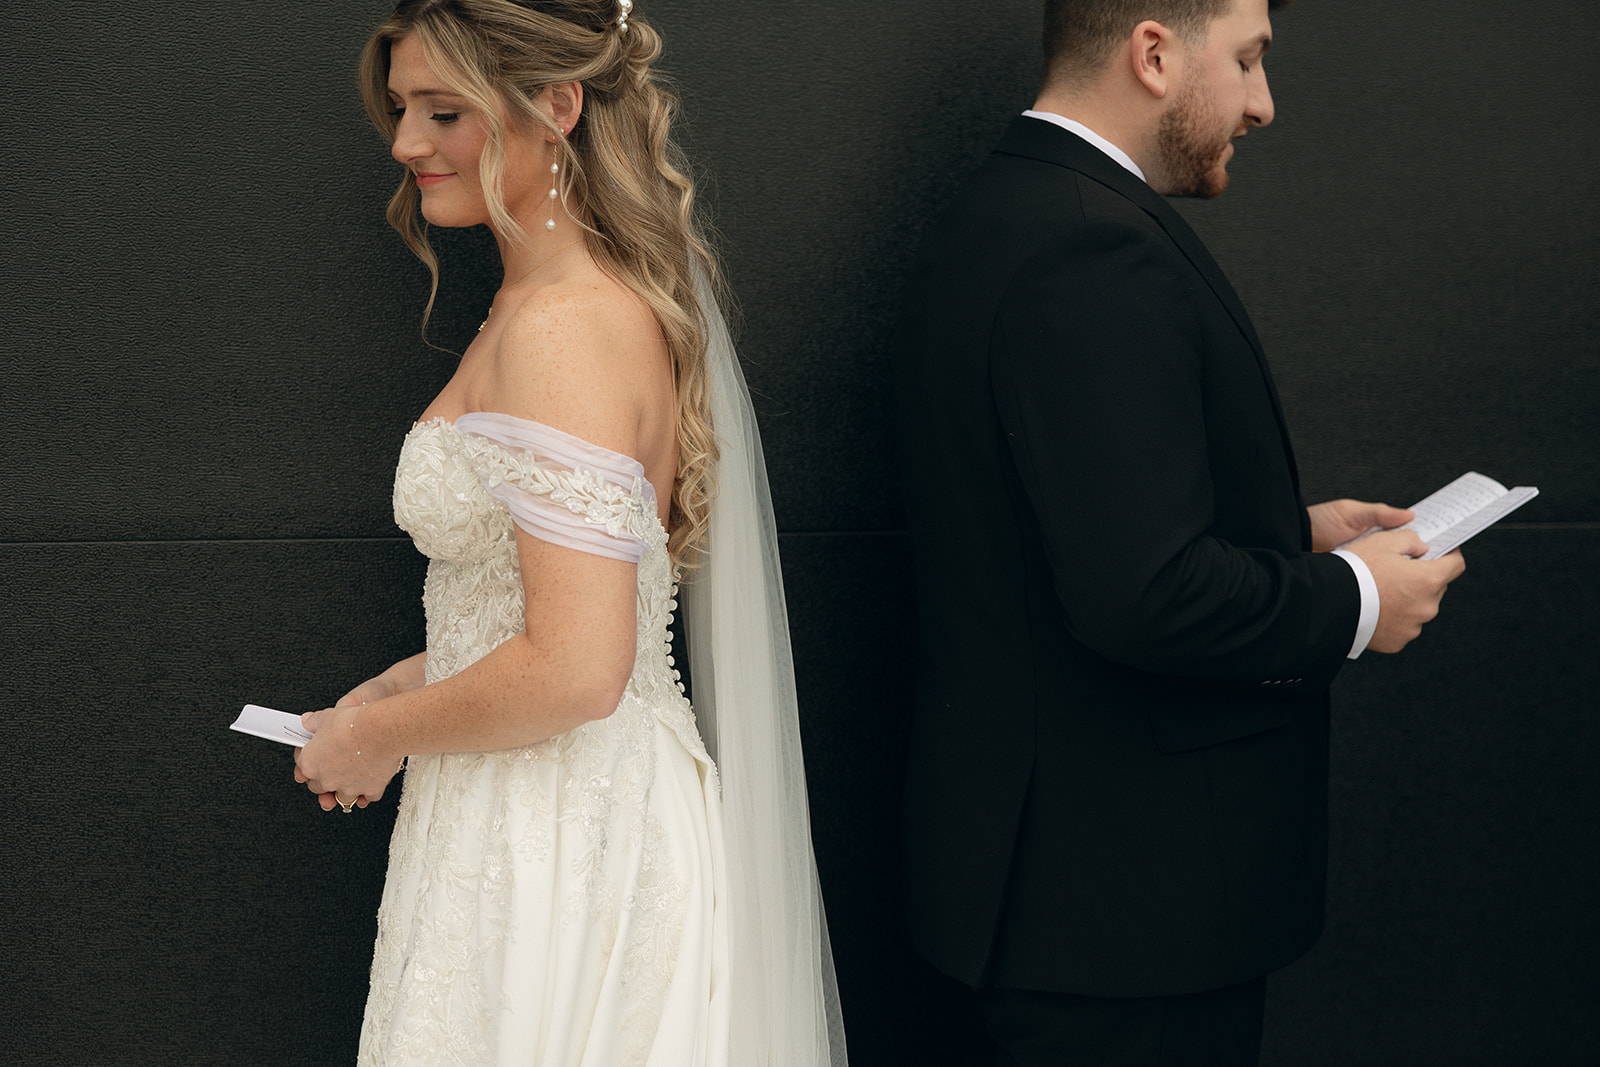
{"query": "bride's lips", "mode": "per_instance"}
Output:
(424, 180)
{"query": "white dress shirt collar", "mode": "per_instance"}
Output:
(1093, 138)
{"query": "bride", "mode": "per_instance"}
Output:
(583, 871)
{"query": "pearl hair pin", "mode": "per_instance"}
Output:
(622, 19)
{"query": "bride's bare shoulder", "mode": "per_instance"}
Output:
(590, 317)
(584, 354)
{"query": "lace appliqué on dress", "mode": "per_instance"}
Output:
(537, 898)
(521, 482)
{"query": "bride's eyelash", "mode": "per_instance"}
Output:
(445, 117)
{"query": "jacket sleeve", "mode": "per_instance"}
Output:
(1097, 362)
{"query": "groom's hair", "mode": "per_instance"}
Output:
(1080, 35)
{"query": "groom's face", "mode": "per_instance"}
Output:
(1221, 94)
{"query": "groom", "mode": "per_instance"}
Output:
(1116, 816)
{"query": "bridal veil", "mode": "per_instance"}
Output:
(784, 1008)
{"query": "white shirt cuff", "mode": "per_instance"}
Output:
(1369, 601)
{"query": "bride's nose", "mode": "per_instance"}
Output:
(409, 143)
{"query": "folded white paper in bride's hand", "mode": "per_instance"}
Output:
(273, 725)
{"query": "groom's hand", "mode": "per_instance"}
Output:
(1409, 589)
(1337, 521)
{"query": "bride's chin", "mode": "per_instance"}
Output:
(442, 215)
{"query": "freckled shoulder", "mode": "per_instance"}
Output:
(572, 356)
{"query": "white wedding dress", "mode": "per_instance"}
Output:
(561, 904)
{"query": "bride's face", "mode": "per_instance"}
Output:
(439, 137)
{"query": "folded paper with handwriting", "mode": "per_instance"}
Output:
(1463, 509)
(272, 725)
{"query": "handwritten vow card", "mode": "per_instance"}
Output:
(1463, 509)
(273, 725)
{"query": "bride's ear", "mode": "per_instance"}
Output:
(565, 101)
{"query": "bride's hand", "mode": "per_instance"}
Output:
(368, 692)
(408, 674)
(342, 759)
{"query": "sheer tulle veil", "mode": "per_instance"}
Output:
(783, 1000)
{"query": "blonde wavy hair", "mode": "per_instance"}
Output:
(623, 178)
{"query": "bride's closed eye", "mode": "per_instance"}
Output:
(445, 117)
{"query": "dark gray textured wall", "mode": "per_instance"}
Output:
(211, 356)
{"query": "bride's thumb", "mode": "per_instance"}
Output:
(309, 720)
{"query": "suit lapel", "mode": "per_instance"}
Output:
(1189, 242)
(1049, 143)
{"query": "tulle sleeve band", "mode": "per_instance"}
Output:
(560, 488)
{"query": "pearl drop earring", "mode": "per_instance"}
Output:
(555, 174)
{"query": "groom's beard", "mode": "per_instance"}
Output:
(1191, 151)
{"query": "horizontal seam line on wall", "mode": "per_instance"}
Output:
(1545, 526)
(350, 540)
(209, 541)
(1522, 526)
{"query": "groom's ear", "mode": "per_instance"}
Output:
(1154, 55)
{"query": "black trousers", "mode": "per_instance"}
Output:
(1217, 1028)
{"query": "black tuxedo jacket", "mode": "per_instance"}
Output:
(1117, 782)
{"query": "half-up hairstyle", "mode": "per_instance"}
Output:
(623, 178)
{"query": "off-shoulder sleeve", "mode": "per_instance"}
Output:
(560, 488)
